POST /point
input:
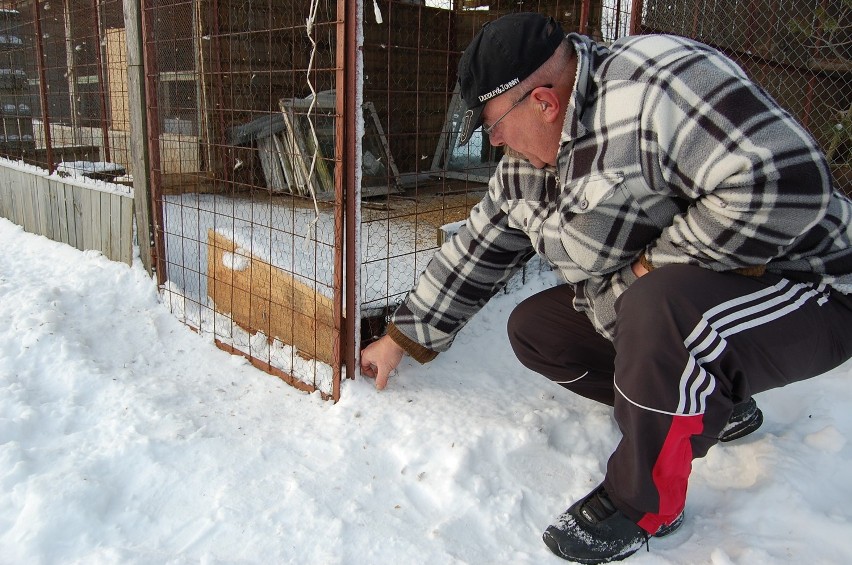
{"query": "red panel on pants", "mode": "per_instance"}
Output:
(671, 471)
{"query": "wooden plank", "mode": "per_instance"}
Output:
(46, 205)
(94, 219)
(4, 193)
(18, 191)
(61, 215)
(70, 217)
(261, 297)
(52, 223)
(132, 10)
(15, 198)
(38, 206)
(126, 240)
(179, 153)
(52, 211)
(42, 204)
(116, 60)
(272, 166)
(105, 223)
(5, 196)
(28, 202)
(83, 212)
(115, 229)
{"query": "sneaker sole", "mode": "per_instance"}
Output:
(665, 530)
(551, 542)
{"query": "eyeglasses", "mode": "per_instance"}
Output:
(489, 129)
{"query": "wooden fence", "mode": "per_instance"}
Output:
(65, 210)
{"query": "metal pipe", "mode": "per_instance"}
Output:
(42, 87)
(585, 10)
(101, 81)
(617, 26)
(153, 121)
(71, 74)
(810, 92)
(696, 15)
(636, 16)
(341, 234)
(348, 193)
(216, 53)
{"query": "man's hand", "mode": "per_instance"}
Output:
(380, 358)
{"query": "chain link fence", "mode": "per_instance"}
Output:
(55, 93)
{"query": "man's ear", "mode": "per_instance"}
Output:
(547, 103)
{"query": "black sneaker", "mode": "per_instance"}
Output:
(745, 419)
(595, 531)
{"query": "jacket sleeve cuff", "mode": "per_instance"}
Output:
(751, 271)
(418, 352)
(645, 262)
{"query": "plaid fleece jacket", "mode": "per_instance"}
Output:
(667, 149)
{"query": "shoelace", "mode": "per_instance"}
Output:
(598, 507)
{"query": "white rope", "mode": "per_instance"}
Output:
(311, 231)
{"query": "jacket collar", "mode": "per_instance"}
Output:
(586, 50)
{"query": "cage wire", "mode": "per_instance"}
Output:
(245, 111)
(60, 89)
(246, 178)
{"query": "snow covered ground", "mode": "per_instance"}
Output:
(127, 438)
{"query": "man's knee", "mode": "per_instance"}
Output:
(521, 322)
(517, 322)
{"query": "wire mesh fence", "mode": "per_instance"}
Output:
(266, 237)
(243, 102)
(57, 58)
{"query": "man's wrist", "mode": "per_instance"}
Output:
(415, 350)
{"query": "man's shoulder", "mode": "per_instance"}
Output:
(642, 57)
(656, 45)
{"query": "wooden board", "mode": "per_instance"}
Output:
(116, 49)
(261, 297)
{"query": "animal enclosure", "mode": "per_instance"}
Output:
(296, 162)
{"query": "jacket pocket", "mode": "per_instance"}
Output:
(602, 227)
(590, 191)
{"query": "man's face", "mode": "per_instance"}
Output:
(513, 122)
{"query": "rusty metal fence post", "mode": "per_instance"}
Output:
(348, 260)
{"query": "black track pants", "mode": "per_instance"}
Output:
(690, 343)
